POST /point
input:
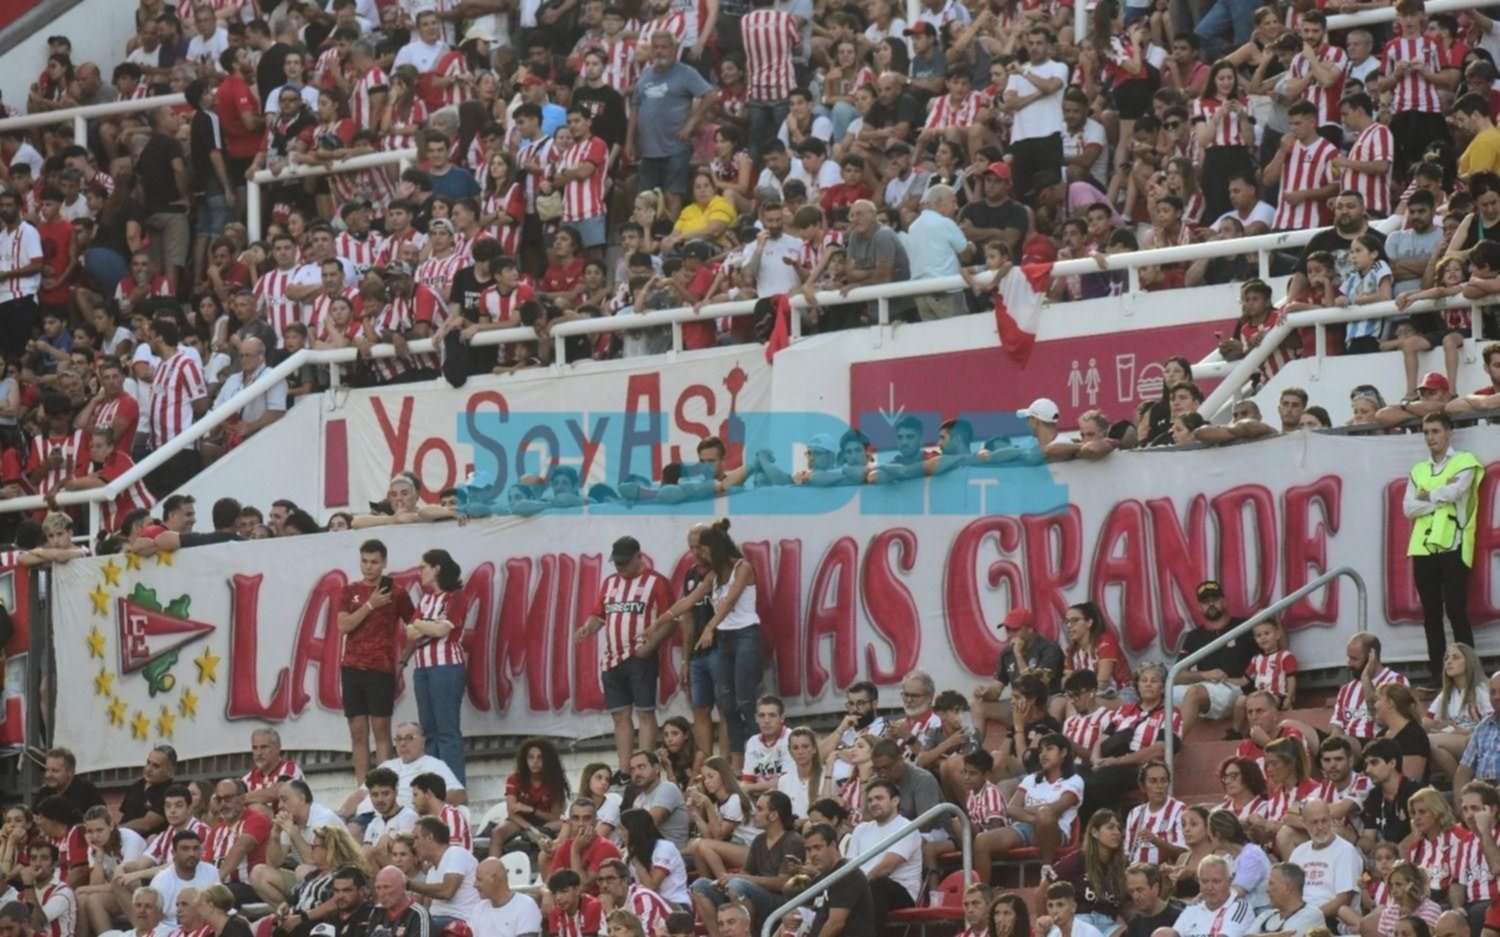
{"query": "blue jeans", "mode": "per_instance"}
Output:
(701, 673)
(842, 115)
(737, 676)
(766, 118)
(1226, 14)
(440, 702)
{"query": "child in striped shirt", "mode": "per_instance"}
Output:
(1273, 670)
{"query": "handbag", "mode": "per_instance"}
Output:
(549, 207)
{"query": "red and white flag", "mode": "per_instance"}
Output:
(1018, 302)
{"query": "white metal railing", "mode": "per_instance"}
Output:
(1388, 14)
(295, 170)
(1236, 377)
(80, 116)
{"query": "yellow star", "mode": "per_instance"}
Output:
(140, 726)
(166, 723)
(164, 557)
(101, 601)
(188, 705)
(116, 710)
(208, 667)
(132, 561)
(95, 641)
(104, 683)
(111, 572)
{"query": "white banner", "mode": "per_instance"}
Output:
(200, 646)
(638, 415)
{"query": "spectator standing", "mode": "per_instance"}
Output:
(241, 113)
(435, 641)
(370, 612)
(178, 397)
(1474, 119)
(1303, 166)
(1441, 500)
(629, 600)
(1034, 97)
(1409, 249)
(1317, 75)
(1413, 72)
(21, 265)
(936, 248)
(669, 100)
(770, 37)
(1367, 168)
(580, 172)
(876, 255)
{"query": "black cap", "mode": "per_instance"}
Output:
(1210, 587)
(624, 550)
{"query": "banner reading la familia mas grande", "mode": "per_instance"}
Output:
(199, 646)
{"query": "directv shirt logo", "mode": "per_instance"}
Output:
(625, 608)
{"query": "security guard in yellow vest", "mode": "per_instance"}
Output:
(1442, 499)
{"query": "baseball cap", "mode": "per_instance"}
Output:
(1432, 380)
(624, 550)
(1210, 587)
(530, 80)
(1016, 619)
(1041, 409)
(698, 250)
(1000, 168)
(443, 223)
(921, 28)
(324, 930)
(478, 32)
(397, 268)
(823, 441)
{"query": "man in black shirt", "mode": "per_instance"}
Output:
(845, 909)
(351, 904)
(1385, 814)
(162, 168)
(997, 216)
(1149, 911)
(1349, 223)
(144, 807)
(270, 69)
(605, 105)
(226, 515)
(1026, 651)
(698, 671)
(895, 116)
(62, 781)
(395, 914)
(1217, 679)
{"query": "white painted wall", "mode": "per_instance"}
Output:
(99, 30)
(285, 460)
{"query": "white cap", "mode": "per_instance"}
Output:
(1041, 409)
(823, 441)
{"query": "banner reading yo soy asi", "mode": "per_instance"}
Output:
(199, 646)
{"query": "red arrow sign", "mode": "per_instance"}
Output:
(146, 634)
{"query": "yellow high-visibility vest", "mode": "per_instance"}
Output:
(1434, 532)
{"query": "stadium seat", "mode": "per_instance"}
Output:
(945, 903)
(517, 869)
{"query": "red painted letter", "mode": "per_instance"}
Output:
(890, 606)
(832, 609)
(244, 631)
(974, 641)
(1307, 548)
(1181, 561)
(1120, 559)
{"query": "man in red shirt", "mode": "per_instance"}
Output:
(371, 613)
(584, 850)
(1264, 716)
(240, 112)
(112, 408)
(238, 843)
(574, 914)
(107, 463)
(852, 189)
(59, 253)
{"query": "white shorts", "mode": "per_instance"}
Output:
(1221, 697)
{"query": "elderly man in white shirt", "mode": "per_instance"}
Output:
(935, 246)
(256, 414)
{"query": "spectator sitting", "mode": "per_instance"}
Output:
(1247, 424)
(1484, 399)
(1433, 395)
(404, 509)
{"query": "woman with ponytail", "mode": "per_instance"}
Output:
(435, 641)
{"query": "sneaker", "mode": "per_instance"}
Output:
(620, 779)
(1048, 875)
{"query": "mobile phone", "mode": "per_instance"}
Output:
(387, 584)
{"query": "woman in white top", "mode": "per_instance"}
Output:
(734, 630)
(594, 785)
(804, 786)
(654, 861)
(722, 813)
(1459, 706)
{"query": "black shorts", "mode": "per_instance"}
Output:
(1133, 98)
(1364, 345)
(632, 682)
(368, 692)
(1435, 339)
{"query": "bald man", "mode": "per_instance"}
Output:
(502, 912)
(395, 912)
(1451, 924)
(256, 414)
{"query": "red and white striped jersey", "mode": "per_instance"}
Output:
(1119, 52)
(373, 81)
(628, 606)
(985, 805)
(417, 118)
(674, 23)
(459, 833)
(423, 305)
(257, 779)
(1268, 672)
(585, 922)
(1439, 857)
(1413, 92)
(1355, 789)
(327, 66)
(1228, 133)
(60, 904)
(1472, 871)
(391, 319)
(390, 248)
(1374, 144)
(455, 65)
(945, 113)
(126, 287)
(72, 849)
(318, 309)
(363, 253)
(1147, 725)
(178, 381)
(72, 450)
(852, 793)
(1279, 802)
(437, 652)
(270, 298)
(769, 37)
(584, 198)
(1254, 807)
(620, 67)
(1325, 99)
(1308, 166)
(513, 203)
(498, 307)
(160, 846)
(650, 907)
(101, 180)
(217, 843)
(812, 255)
(1349, 710)
(1165, 823)
(1084, 730)
(136, 495)
(1106, 647)
(1245, 330)
(543, 153)
(437, 273)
